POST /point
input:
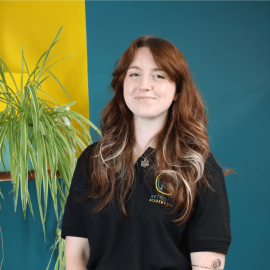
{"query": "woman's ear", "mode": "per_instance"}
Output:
(175, 97)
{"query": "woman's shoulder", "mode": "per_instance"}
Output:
(87, 152)
(81, 174)
(83, 162)
(214, 174)
(211, 164)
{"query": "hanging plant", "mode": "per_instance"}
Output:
(37, 129)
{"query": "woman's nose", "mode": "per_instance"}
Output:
(145, 83)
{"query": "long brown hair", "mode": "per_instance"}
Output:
(182, 145)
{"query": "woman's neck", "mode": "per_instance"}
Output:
(145, 130)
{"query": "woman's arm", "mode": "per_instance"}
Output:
(77, 252)
(206, 259)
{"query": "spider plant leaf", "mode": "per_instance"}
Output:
(60, 190)
(57, 62)
(6, 93)
(10, 106)
(50, 59)
(62, 258)
(53, 169)
(63, 202)
(49, 120)
(2, 141)
(42, 129)
(2, 159)
(45, 176)
(33, 159)
(2, 100)
(3, 133)
(35, 111)
(47, 53)
(3, 76)
(16, 182)
(86, 132)
(66, 128)
(63, 108)
(63, 170)
(53, 160)
(14, 156)
(45, 170)
(26, 65)
(37, 67)
(86, 121)
(57, 263)
(51, 143)
(1, 67)
(59, 83)
(53, 43)
(39, 174)
(22, 73)
(80, 143)
(30, 204)
(30, 147)
(59, 147)
(11, 138)
(39, 83)
(2, 86)
(64, 142)
(1, 194)
(41, 108)
(49, 97)
(77, 119)
(53, 246)
(30, 76)
(23, 163)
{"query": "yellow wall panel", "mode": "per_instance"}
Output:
(34, 24)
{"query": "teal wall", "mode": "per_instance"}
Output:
(227, 46)
(23, 239)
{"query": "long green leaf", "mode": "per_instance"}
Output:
(49, 97)
(35, 111)
(26, 65)
(59, 84)
(2, 74)
(22, 73)
(7, 93)
(48, 51)
(57, 61)
(23, 164)
(39, 175)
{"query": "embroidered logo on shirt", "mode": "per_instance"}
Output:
(160, 187)
(160, 198)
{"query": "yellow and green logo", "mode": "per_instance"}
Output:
(160, 187)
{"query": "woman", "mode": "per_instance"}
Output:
(154, 196)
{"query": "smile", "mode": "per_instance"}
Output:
(144, 98)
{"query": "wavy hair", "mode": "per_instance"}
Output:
(182, 145)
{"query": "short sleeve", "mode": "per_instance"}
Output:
(209, 225)
(73, 221)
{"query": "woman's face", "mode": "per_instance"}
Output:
(148, 91)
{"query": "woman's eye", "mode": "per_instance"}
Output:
(160, 76)
(138, 74)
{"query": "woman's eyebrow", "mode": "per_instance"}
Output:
(153, 69)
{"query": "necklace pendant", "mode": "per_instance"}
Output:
(144, 163)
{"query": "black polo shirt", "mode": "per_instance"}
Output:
(149, 240)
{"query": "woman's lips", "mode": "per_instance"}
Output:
(140, 98)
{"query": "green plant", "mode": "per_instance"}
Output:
(36, 129)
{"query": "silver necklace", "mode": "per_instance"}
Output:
(145, 162)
